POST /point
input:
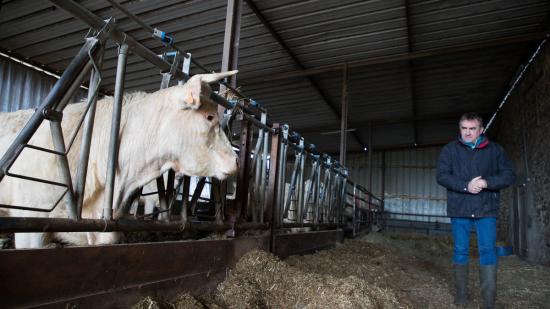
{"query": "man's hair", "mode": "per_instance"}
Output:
(471, 116)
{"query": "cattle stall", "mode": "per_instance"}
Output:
(289, 197)
(135, 175)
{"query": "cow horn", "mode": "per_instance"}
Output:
(214, 77)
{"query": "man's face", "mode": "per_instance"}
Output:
(470, 130)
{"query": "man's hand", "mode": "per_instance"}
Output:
(476, 185)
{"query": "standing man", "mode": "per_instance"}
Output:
(474, 170)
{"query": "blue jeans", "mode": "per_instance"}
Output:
(486, 230)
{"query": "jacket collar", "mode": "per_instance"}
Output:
(481, 142)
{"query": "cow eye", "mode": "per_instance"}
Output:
(210, 118)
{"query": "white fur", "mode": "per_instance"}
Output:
(164, 130)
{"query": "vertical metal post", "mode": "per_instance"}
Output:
(354, 213)
(383, 190)
(317, 196)
(161, 192)
(59, 145)
(301, 189)
(282, 172)
(87, 130)
(263, 173)
(231, 40)
(185, 198)
(370, 157)
(241, 198)
(344, 119)
(273, 189)
(115, 128)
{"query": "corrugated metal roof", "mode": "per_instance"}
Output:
(407, 101)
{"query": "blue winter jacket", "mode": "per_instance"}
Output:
(458, 163)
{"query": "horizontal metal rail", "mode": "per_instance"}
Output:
(23, 225)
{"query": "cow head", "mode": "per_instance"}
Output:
(205, 149)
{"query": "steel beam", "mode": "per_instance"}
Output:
(528, 37)
(298, 63)
(412, 80)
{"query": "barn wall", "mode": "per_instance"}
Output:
(523, 128)
(22, 87)
(411, 193)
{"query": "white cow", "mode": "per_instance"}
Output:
(174, 128)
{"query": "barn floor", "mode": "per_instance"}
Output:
(375, 271)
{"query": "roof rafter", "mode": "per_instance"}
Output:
(299, 64)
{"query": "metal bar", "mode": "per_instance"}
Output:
(354, 209)
(231, 40)
(291, 186)
(115, 128)
(317, 197)
(197, 194)
(73, 88)
(63, 167)
(263, 173)
(241, 198)
(527, 37)
(170, 185)
(412, 80)
(370, 158)
(57, 92)
(84, 155)
(185, 196)
(281, 172)
(118, 36)
(32, 225)
(273, 183)
(163, 204)
(516, 82)
(300, 204)
(344, 118)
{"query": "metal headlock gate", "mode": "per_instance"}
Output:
(298, 198)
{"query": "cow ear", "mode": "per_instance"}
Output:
(194, 87)
(192, 93)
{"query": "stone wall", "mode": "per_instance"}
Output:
(523, 129)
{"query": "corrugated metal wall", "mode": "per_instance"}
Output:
(22, 87)
(410, 183)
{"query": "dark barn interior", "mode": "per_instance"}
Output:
(378, 86)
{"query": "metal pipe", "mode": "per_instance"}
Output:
(300, 204)
(354, 207)
(263, 174)
(231, 40)
(64, 171)
(282, 174)
(316, 225)
(115, 128)
(53, 97)
(31, 225)
(273, 182)
(516, 81)
(118, 36)
(82, 169)
(75, 86)
(344, 118)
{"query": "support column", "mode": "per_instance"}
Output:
(115, 128)
(344, 118)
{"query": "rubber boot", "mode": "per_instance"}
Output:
(488, 284)
(461, 284)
